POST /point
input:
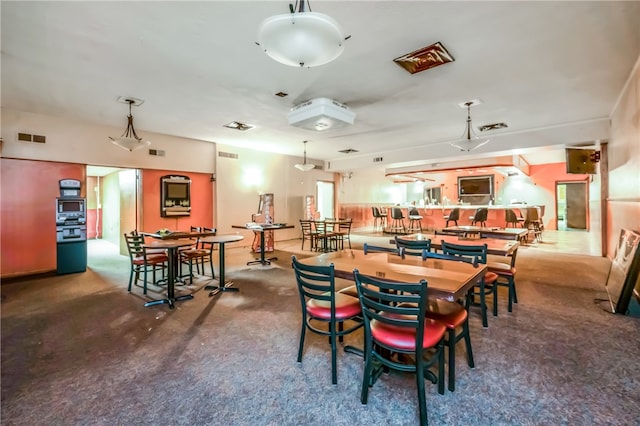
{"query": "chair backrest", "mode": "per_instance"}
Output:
(532, 214)
(481, 214)
(479, 251)
(345, 225)
(396, 213)
(510, 216)
(305, 225)
(414, 212)
(394, 305)
(413, 247)
(134, 244)
(454, 214)
(320, 226)
(315, 282)
(196, 229)
(368, 248)
(375, 211)
(432, 255)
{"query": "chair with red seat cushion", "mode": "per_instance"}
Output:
(398, 335)
(143, 260)
(506, 277)
(455, 317)
(321, 304)
(486, 286)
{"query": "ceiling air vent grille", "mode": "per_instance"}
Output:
(157, 152)
(378, 159)
(28, 137)
(227, 154)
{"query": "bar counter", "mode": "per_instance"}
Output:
(433, 215)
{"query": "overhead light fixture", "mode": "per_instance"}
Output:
(129, 139)
(320, 114)
(236, 125)
(301, 38)
(470, 140)
(304, 167)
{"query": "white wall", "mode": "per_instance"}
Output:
(74, 141)
(371, 187)
(240, 182)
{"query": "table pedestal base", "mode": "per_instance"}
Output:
(222, 288)
(168, 301)
(262, 261)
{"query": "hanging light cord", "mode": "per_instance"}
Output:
(130, 131)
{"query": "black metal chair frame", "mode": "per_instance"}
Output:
(143, 261)
(413, 247)
(509, 280)
(343, 233)
(452, 338)
(317, 283)
(510, 217)
(378, 218)
(415, 218)
(368, 248)
(480, 217)
(395, 305)
(397, 222)
(453, 216)
(483, 289)
(306, 226)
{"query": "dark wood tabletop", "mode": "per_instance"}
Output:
(446, 279)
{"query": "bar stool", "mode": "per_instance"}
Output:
(397, 224)
(415, 220)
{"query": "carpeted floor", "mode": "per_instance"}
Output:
(79, 349)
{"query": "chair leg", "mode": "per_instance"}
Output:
(130, 279)
(451, 342)
(334, 356)
(467, 343)
(366, 376)
(483, 305)
(422, 403)
(303, 331)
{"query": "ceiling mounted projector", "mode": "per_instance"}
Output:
(320, 114)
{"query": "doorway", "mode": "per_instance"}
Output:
(325, 195)
(572, 201)
(112, 204)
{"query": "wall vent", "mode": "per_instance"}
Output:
(28, 137)
(157, 152)
(227, 154)
(378, 159)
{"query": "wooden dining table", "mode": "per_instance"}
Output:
(171, 245)
(517, 234)
(494, 245)
(446, 279)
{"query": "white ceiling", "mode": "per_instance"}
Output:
(552, 71)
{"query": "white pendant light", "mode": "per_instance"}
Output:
(129, 139)
(470, 140)
(304, 167)
(301, 38)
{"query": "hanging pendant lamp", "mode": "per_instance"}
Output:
(304, 167)
(470, 140)
(301, 38)
(129, 139)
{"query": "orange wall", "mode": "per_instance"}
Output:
(545, 177)
(28, 190)
(201, 202)
(27, 207)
